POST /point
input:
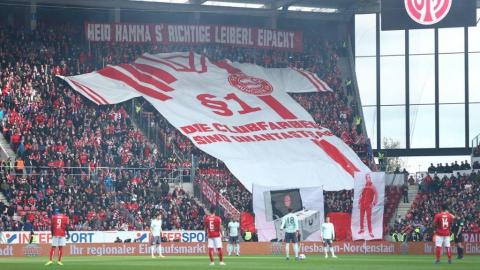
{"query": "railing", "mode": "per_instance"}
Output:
(356, 95)
(476, 147)
(145, 122)
(175, 175)
(4, 151)
(210, 197)
(76, 175)
(354, 85)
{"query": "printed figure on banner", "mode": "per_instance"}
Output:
(368, 204)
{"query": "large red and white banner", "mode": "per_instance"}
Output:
(368, 204)
(194, 34)
(271, 204)
(238, 113)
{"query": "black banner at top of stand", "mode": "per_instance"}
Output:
(420, 14)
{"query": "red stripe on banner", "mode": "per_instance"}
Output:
(156, 72)
(277, 107)
(336, 155)
(92, 94)
(308, 76)
(322, 83)
(181, 67)
(191, 60)
(159, 61)
(114, 74)
(227, 66)
(169, 61)
(203, 64)
(146, 78)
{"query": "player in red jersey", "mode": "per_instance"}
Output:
(443, 224)
(213, 229)
(59, 229)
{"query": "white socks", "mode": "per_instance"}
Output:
(159, 247)
(159, 250)
(332, 250)
(233, 248)
(287, 249)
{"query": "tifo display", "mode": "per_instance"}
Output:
(252, 135)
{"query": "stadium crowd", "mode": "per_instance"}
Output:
(341, 201)
(476, 165)
(454, 166)
(69, 150)
(460, 192)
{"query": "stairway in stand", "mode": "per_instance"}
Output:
(5, 153)
(403, 208)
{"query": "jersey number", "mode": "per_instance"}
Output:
(444, 223)
(59, 223)
(211, 225)
(221, 108)
(291, 220)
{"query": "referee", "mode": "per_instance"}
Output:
(457, 231)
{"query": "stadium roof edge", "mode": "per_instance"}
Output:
(195, 6)
(346, 8)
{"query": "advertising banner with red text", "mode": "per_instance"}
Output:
(239, 113)
(209, 193)
(230, 210)
(471, 237)
(194, 34)
(247, 248)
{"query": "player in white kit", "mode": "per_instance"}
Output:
(156, 231)
(233, 237)
(328, 235)
(291, 227)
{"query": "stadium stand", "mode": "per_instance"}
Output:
(459, 191)
(67, 149)
(70, 150)
(454, 166)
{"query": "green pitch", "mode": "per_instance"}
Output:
(347, 262)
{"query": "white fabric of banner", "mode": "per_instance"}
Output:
(238, 113)
(311, 216)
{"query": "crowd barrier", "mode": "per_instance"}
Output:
(247, 248)
(97, 237)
